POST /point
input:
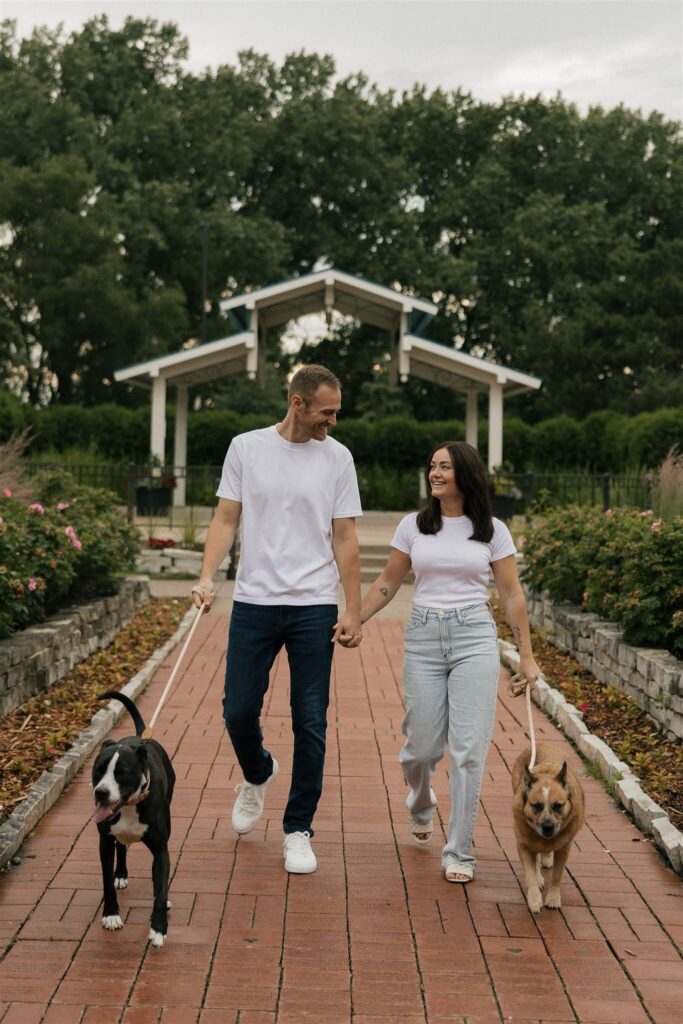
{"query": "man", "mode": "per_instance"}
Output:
(296, 491)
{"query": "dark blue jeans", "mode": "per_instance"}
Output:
(257, 633)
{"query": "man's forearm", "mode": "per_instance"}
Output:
(219, 540)
(347, 557)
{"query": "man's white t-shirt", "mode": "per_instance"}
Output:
(451, 571)
(290, 493)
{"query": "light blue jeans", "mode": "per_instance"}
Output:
(450, 674)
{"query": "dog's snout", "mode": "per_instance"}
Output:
(102, 794)
(547, 828)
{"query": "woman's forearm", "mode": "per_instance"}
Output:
(515, 611)
(378, 596)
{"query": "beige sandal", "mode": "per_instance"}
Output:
(422, 830)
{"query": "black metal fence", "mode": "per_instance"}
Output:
(148, 490)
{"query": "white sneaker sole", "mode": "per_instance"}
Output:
(243, 831)
(301, 871)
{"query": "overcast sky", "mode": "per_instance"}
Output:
(592, 51)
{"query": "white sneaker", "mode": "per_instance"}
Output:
(299, 857)
(248, 806)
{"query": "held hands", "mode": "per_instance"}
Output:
(347, 630)
(203, 594)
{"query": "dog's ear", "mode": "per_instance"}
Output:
(142, 753)
(108, 743)
(529, 779)
(561, 776)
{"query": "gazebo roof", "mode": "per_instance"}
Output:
(434, 362)
(324, 290)
(193, 365)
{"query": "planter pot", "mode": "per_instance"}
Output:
(152, 500)
(502, 506)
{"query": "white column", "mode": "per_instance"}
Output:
(495, 425)
(403, 348)
(157, 440)
(253, 350)
(471, 419)
(180, 444)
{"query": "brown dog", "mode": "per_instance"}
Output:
(548, 811)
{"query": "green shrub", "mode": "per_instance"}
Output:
(517, 445)
(69, 545)
(652, 434)
(386, 488)
(556, 443)
(603, 442)
(13, 415)
(623, 565)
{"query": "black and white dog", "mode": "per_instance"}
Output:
(133, 783)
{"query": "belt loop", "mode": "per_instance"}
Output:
(425, 615)
(460, 616)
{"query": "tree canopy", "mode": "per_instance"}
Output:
(551, 240)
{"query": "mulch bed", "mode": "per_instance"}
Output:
(36, 735)
(616, 719)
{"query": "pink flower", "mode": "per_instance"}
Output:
(521, 541)
(32, 584)
(609, 513)
(583, 707)
(62, 505)
(37, 507)
(656, 526)
(71, 534)
(7, 491)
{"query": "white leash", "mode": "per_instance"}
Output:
(515, 688)
(149, 730)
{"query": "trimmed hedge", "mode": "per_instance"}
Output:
(602, 442)
(623, 565)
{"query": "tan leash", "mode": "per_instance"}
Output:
(149, 730)
(516, 687)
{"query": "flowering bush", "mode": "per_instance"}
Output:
(69, 545)
(623, 565)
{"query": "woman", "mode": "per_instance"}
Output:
(451, 663)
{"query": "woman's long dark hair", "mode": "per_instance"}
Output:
(471, 481)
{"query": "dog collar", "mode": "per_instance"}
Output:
(143, 794)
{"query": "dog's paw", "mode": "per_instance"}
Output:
(540, 879)
(547, 860)
(534, 901)
(112, 922)
(121, 883)
(553, 899)
(156, 938)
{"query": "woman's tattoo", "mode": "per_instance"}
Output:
(384, 590)
(518, 635)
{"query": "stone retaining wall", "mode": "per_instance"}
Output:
(652, 677)
(36, 658)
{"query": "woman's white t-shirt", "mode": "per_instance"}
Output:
(451, 571)
(290, 493)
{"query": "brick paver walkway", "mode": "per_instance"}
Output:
(376, 936)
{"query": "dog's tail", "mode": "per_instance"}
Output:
(128, 705)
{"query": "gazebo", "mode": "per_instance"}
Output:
(403, 316)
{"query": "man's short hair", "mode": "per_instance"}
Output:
(308, 379)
